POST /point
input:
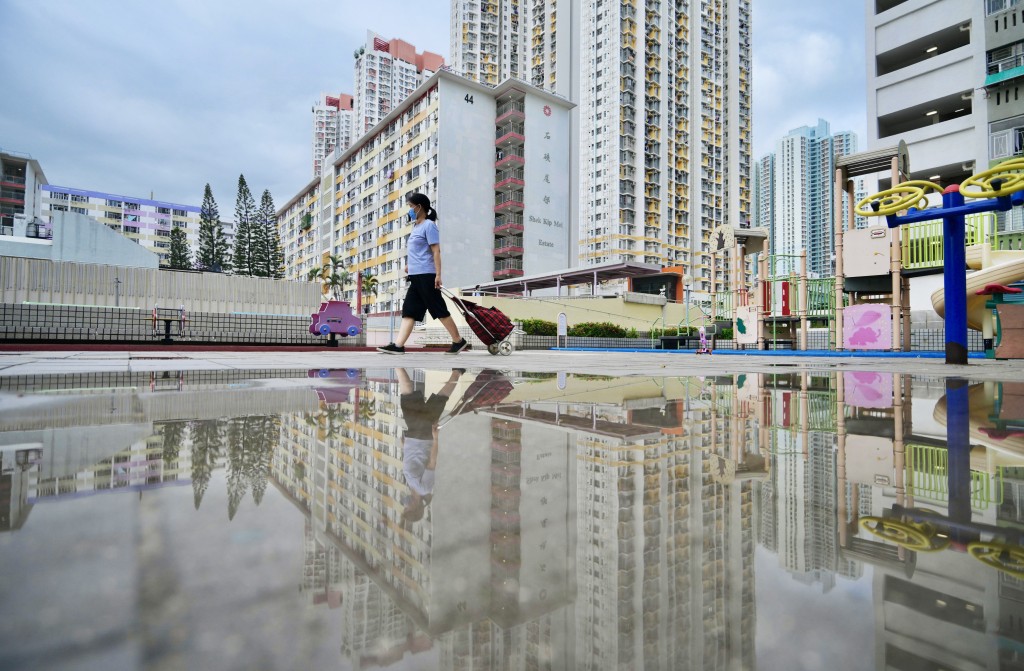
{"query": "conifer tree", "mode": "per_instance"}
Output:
(245, 262)
(271, 254)
(212, 254)
(180, 257)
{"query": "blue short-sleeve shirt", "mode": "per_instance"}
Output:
(420, 258)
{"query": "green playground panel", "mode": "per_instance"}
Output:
(927, 471)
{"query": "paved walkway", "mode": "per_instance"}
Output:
(17, 363)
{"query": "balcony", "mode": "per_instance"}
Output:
(505, 268)
(1006, 143)
(508, 202)
(508, 246)
(510, 134)
(509, 224)
(506, 158)
(508, 180)
(513, 109)
(12, 180)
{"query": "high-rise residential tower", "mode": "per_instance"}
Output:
(663, 90)
(386, 73)
(488, 40)
(332, 127)
(801, 192)
(764, 194)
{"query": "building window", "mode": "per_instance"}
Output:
(131, 229)
(114, 203)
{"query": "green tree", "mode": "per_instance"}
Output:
(268, 252)
(207, 446)
(212, 254)
(332, 275)
(180, 257)
(369, 287)
(245, 261)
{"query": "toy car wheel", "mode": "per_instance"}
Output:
(352, 373)
(493, 348)
(353, 330)
(323, 372)
(505, 347)
(324, 329)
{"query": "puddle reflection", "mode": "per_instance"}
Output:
(491, 519)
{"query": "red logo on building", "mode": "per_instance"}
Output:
(547, 110)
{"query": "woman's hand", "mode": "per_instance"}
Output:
(437, 281)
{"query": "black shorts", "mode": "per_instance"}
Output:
(421, 414)
(423, 296)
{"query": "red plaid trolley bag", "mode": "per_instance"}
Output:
(491, 325)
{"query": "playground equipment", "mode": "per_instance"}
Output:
(871, 289)
(334, 317)
(996, 189)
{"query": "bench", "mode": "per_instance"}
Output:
(779, 343)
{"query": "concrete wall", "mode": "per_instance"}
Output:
(43, 281)
(81, 239)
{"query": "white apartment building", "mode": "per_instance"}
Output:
(386, 73)
(21, 181)
(332, 127)
(145, 221)
(664, 120)
(945, 76)
(803, 168)
(495, 164)
(764, 195)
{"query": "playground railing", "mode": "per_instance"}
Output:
(922, 242)
(927, 471)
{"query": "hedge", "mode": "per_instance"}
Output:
(597, 330)
(539, 327)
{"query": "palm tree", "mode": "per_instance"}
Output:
(332, 275)
(369, 288)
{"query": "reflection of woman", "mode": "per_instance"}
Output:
(419, 445)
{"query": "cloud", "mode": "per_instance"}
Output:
(808, 63)
(133, 97)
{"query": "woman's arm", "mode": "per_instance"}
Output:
(436, 249)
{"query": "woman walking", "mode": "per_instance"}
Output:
(423, 266)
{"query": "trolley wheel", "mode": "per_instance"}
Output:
(901, 197)
(917, 537)
(493, 348)
(323, 372)
(505, 347)
(324, 329)
(1006, 558)
(1001, 180)
(353, 330)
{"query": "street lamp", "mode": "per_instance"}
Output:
(391, 311)
(687, 281)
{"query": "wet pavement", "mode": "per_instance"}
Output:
(182, 512)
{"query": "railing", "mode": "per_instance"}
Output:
(508, 264)
(1004, 64)
(514, 196)
(510, 174)
(503, 154)
(928, 478)
(1006, 143)
(503, 243)
(510, 128)
(996, 6)
(13, 179)
(923, 242)
(511, 106)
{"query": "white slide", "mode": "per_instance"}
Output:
(1009, 270)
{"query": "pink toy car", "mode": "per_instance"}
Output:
(335, 317)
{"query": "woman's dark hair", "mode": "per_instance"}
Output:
(416, 198)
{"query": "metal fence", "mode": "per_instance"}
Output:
(921, 340)
(75, 323)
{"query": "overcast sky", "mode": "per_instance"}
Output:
(162, 97)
